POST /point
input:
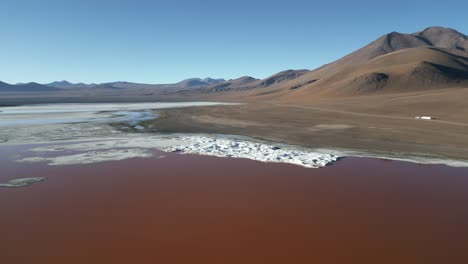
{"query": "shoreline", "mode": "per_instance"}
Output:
(171, 141)
(217, 131)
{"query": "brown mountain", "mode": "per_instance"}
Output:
(431, 59)
(410, 69)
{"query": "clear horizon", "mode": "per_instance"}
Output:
(169, 41)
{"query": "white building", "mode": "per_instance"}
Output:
(424, 117)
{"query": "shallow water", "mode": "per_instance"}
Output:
(198, 209)
(97, 107)
(75, 113)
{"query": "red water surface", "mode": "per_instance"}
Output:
(196, 209)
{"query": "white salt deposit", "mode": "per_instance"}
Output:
(225, 147)
(139, 146)
(21, 182)
(91, 157)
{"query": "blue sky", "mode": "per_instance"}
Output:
(167, 41)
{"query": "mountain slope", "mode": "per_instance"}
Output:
(434, 37)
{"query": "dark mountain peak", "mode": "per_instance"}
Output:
(191, 82)
(119, 83)
(213, 81)
(195, 82)
(35, 86)
(443, 38)
(60, 84)
(63, 82)
(440, 30)
(440, 37)
(394, 34)
(395, 41)
(283, 76)
(245, 78)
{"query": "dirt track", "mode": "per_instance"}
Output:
(366, 114)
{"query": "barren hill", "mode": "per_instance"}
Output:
(412, 69)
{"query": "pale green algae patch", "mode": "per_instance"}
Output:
(21, 182)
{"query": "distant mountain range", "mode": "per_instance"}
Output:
(434, 58)
(68, 86)
(193, 82)
(26, 87)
